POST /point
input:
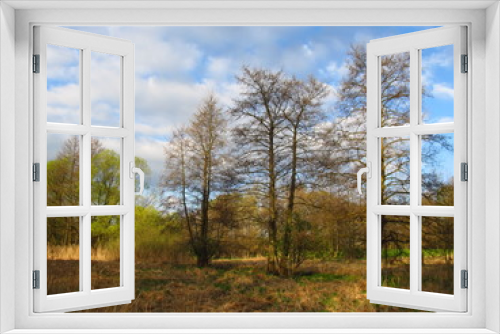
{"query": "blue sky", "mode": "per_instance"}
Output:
(177, 66)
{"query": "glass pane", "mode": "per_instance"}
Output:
(395, 251)
(437, 169)
(395, 170)
(395, 89)
(105, 170)
(63, 84)
(437, 84)
(63, 255)
(105, 252)
(437, 254)
(63, 170)
(105, 90)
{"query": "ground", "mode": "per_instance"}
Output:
(236, 285)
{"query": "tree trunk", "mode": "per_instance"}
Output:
(204, 256)
(273, 211)
(286, 263)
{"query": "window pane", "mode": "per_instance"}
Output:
(106, 170)
(105, 252)
(437, 84)
(395, 170)
(63, 255)
(395, 251)
(63, 84)
(437, 169)
(395, 89)
(105, 90)
(63, 170)
(437, 254)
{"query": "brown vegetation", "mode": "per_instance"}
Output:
(245, 286)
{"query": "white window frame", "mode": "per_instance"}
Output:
(413, 43)
(85, 297)
(484, 146)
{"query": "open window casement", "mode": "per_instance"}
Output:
(69, 206)
(400, 217)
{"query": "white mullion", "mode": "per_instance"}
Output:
(69, 129)
(373, 272)
(81, 225)
(66, 211)
(432, 129)
(127, 262)
(425, 129)
(434, 211)
(86, 258)
(110, 132)
(80, 130)
(406, 210)
(392, 210)
(108, 210)
(87, 173)
(414, 169)
(395, 131)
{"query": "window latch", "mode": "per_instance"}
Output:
(368, 171)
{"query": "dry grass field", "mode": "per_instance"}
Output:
(237, 285)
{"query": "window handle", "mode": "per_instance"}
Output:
(136, 170)
(368, 171)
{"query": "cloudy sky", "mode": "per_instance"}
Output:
(178, 66)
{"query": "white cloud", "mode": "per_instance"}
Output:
(221, 68)
(63, 64)
(152, 130)
(336, 71)
(63, 104)
(433, 60)
(446, 119)
(151, 150)
(307, 50)
(442, 91)
(443, 58)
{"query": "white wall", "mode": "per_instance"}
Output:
(492, 164)
(7, 161)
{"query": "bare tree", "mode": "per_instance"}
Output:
(275, 118)
(194, 169)
(259, 115)
(303, 115)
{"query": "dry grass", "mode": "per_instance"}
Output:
(244, 286)
(72, 252)
(238, 285)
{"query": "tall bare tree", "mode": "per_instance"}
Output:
(305, 112)
(259, 115)
(195, 163)
(276, 116)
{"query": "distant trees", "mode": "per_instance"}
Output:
(348, 137)
(63, 188)
(277, 176)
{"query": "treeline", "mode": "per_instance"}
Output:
(272, 174)
(278, 166)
